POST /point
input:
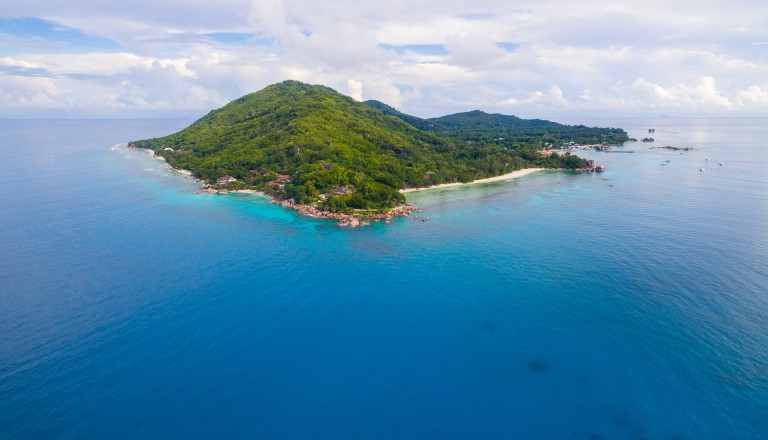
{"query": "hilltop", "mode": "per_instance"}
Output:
(315, 146)
(506, 130)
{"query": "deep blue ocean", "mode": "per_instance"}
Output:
(556, 306)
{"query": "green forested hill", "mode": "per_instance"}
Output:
(421, 124)
(339, 153)
(505, 130)
(513, 132)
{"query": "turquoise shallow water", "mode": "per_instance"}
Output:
(558, 305)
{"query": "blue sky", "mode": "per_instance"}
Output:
(425, 57)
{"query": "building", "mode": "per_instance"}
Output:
(225, 180)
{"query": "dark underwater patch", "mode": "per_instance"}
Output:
(537, 366)
(489, 327)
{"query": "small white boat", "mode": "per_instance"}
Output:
(666, 162)
(721, 164)
(701, 169)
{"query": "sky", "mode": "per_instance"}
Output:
(183, 58)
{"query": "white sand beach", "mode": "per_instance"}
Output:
(184, 172)
(508, 176)
(161, 158)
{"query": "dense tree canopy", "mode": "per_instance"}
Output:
(508, 131)
(312, 144)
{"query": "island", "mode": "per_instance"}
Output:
(670, 147)
(323, 153)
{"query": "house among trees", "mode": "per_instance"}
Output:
(341, 190)
(225, 180)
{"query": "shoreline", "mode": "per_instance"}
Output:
(180, 171)
(354, 219)
(161, 158)
(509, 176)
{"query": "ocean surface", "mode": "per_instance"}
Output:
(631, 304)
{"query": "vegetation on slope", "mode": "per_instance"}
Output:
(339, 153)
(508, 131)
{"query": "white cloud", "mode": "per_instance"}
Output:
(701, 96)
(753, 96)
(340, 48)
(602, 55)
(355, 89)
(552, 98)
(474, 50)
(384, 90)
(8, 61)
(28, 92)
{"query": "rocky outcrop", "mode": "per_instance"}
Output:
(352, 220)
(206, 189)
(592, 167)
(670, 147)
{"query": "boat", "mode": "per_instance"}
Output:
(721, 164)
(701, 169)
(666, 162)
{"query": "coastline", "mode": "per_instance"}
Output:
(154, 156)
(353, 219)
(503, 177)
(180, 171)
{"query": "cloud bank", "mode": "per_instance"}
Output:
(424, 57)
